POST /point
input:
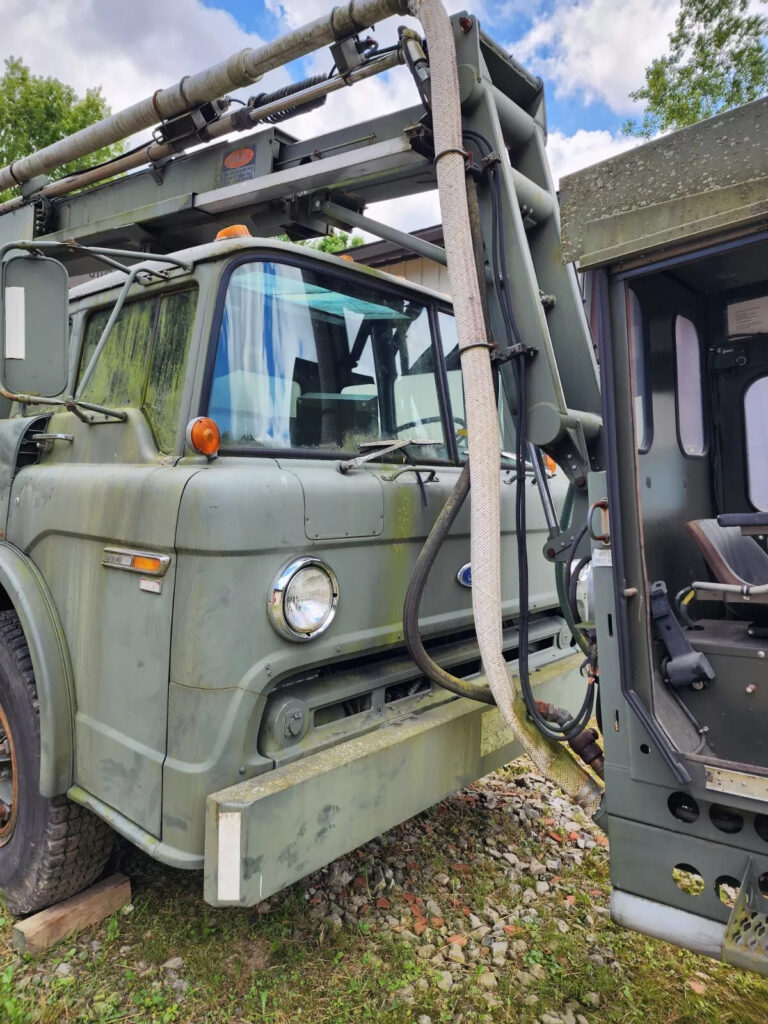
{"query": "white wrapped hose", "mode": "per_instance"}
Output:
(482, 421)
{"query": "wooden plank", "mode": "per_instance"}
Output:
(43, 930)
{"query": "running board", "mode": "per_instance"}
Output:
(743, 941)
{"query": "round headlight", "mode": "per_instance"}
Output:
(303, 598)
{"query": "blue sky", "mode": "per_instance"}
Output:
(590, 53)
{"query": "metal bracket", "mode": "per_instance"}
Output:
(683, 666)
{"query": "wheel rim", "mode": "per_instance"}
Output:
(8, 780)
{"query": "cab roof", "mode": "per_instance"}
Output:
(226, 247)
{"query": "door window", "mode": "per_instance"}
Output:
(756, 421)
(143, 362)
(641, 392)
(690, 412)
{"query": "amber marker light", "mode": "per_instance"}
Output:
(550, 463)
(146, 563)
(204, 436)
(233, 231)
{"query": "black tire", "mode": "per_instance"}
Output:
(50, 848)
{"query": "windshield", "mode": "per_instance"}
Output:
(310, 360)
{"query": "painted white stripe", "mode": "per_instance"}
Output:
(14, 323)
(229, 856)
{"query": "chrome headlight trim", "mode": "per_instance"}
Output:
(276, 598)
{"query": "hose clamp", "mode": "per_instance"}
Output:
(490, 345)
(463, 153)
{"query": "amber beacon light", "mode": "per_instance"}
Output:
(204, 436)
(233, 231)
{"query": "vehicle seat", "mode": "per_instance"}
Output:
(731, 557)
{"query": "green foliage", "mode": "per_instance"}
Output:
(37, 111)
(717, 60)
(337, 241)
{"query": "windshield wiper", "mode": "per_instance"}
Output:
(379, 448)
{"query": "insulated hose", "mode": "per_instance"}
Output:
(482, 419)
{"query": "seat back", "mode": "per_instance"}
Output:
(731, 557)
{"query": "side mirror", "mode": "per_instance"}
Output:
(34, 325)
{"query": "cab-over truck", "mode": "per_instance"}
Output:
(249, 620)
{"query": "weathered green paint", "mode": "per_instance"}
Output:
(681, 189)
(299, 817)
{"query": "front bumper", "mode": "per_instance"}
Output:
(267, 832)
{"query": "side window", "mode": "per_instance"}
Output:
(119, 374)
(690, 412)
(756, 421)
(168, 365)
(142, 364)
(641, 391)
(450, 344)
(449, 341)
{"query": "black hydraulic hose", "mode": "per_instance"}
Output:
(553, 731)
(424, 563)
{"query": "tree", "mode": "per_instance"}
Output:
(337, 241)
(717, 60)
(36, 111)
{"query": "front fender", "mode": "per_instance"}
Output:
(29, 596)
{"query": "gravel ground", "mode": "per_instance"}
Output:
(491, 906)
(392, 892)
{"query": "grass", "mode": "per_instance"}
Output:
(284, 966)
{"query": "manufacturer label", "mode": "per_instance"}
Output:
(238, 158)
(239, 165)
(601, 556)
(464, 575)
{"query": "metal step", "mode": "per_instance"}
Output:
(746, 934)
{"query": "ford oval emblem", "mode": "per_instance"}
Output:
(464, 575)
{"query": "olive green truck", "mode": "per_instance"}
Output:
(291, 549)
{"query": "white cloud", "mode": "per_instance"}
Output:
(133, 49)
(568, 153)
(130, 49)
(598, 49)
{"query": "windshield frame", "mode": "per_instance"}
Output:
(432, 304)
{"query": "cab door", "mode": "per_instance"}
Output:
(686, 774)
(97, 515)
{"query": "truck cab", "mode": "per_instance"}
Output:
(232, 613)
